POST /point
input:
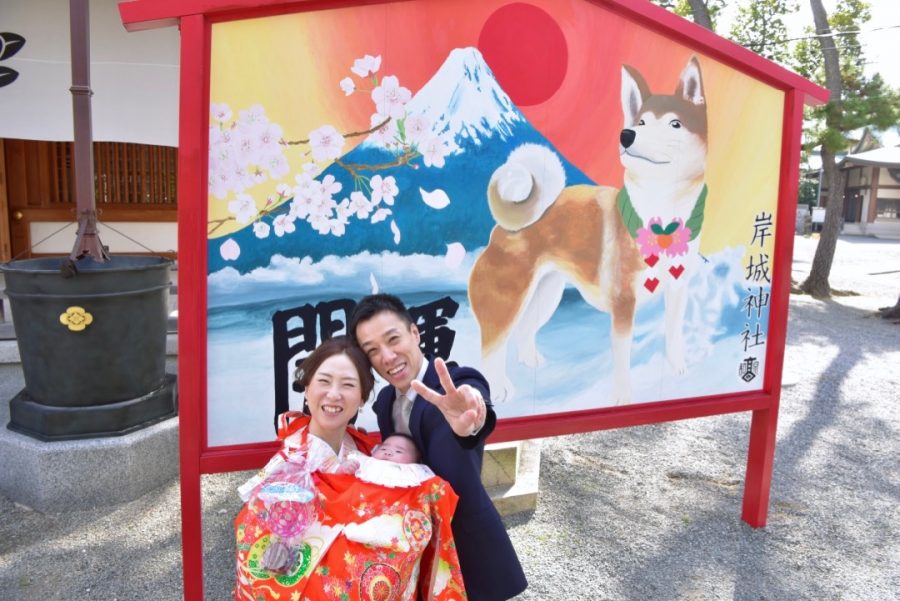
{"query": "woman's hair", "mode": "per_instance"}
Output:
(339, 345)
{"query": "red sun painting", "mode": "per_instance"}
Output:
(526, 50)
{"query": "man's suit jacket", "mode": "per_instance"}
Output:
(490, 567)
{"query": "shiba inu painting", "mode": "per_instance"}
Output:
(617, 247)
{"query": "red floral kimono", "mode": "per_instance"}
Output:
(382, 533)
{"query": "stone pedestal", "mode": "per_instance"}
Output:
(87, 473)
(510, 473)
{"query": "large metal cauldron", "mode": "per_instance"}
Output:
(93, 346)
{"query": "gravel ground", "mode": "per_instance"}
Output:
(651, 512)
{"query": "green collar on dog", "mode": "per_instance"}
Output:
(634, 222)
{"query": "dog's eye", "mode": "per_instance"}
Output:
(641, 122)
(675, 123)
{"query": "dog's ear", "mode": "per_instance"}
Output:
(690, 84)
(634, 92)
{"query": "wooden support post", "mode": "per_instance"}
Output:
(192, 269)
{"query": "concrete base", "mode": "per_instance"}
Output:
(82, 474)
(510, 473)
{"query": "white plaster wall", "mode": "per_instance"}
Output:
(158, 237)
(134, 76)
(885, 179)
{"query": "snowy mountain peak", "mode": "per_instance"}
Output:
(464, 101)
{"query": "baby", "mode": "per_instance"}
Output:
(397, 448)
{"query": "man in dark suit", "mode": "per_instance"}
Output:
(448, 413)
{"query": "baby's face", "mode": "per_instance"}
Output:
(396, 449)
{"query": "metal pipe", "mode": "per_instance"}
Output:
(87, 242)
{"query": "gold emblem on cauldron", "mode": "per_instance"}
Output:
(76, 319)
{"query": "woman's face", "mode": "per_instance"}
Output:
(333, 395)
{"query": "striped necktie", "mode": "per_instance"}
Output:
(402, 410)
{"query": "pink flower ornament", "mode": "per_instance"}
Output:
(672, 240)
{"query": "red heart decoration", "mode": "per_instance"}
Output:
(651, 284)
(651, 260)
(676, 271)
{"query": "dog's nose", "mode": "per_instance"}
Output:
(626, 138)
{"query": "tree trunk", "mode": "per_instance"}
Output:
(891, 312)
(817, 282)
(701, 13)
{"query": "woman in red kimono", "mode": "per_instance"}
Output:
(362, 540)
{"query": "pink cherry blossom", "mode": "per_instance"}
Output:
(220, 112)
(305, 187)
(433, 151)
(277, 166)
(268, 141)
(330, 186)
(338, 225)
(366, 65)
(320, 223)
(253, 120)
(261, 229)
(348, 86)
(283, 224)
(220, 181)
(311, 169)
(244, 208)
(258, 175)
(418, 128)
(383, 189)
(359, 205)
(327, 143)
(390, 97)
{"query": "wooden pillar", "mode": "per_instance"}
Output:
(873, 195)
(5, 244)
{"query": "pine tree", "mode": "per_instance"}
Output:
(856, 101)
(760, 27)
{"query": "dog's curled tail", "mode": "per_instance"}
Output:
(522, 189)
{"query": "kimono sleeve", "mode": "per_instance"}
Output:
(441, 578)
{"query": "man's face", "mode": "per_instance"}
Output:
(397, 449)
(393, 348)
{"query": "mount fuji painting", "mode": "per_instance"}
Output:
(465, 108)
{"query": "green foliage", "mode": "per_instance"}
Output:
(760, 27)
(866, 100)
(845, 22)
(682, 8)
(808, 192)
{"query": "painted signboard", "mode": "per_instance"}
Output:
(580, 207)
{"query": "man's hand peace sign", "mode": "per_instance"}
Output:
(463, 407)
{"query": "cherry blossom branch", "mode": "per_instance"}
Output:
(355, 168)
(354, 134)
(217, 223)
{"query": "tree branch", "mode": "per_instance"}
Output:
(353, 134)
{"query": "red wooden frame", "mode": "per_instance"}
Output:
(195, 18)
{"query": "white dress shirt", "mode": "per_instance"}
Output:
(403, 403)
